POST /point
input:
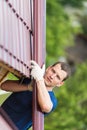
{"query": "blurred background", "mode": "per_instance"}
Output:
(66, 40)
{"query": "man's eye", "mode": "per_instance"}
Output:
(53, 71)
(58, 77)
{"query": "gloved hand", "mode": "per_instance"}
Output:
(36, 72)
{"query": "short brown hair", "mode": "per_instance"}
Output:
(65, 66)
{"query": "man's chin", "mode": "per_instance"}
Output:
(47, 84)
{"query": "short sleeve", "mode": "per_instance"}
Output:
(54, 101)
(25, 81)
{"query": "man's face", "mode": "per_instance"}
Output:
(54, 76)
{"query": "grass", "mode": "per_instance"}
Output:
(3, 97)
(10, 76)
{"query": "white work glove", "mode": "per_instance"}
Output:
(36, 72)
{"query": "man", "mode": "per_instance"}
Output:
(19, 104)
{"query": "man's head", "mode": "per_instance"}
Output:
(56, 74)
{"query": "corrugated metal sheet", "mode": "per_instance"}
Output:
(15, 34)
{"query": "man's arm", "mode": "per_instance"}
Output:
(13, 86)
(44, 99)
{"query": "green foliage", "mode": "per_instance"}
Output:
(83, 20)
(58, 31)
(11, 76)
(71, 111)
(73, 3)
(3, 97)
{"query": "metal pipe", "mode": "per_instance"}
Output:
(38, 56)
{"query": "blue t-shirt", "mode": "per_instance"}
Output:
(19, 107)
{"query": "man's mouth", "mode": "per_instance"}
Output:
(48, 79)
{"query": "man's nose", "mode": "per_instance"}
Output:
(53, 75)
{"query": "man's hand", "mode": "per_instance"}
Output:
(36, 72)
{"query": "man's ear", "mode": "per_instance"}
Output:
(60, 84)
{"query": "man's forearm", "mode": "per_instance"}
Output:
(13, 86)
(43, 97)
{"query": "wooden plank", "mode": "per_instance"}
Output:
(15, 72)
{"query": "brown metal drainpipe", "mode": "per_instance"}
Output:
(38, 55)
